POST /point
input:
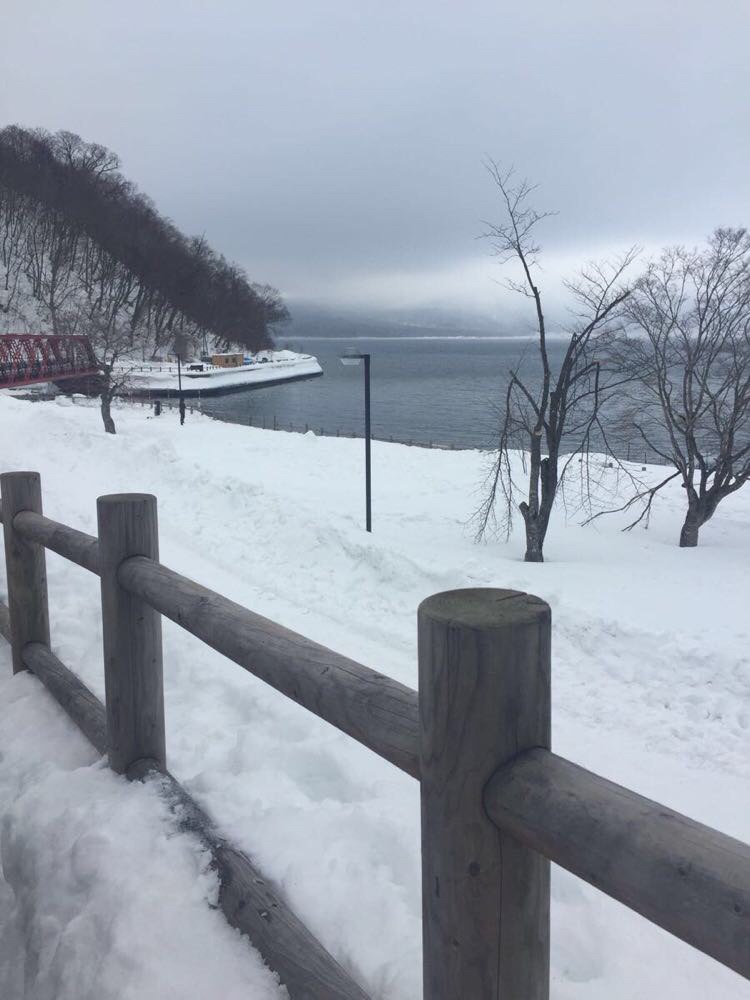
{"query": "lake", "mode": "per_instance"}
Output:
(445, 390)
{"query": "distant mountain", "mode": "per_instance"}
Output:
(313, 320)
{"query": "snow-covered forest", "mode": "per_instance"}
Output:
(82, 251)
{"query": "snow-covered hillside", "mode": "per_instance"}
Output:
(651, 688)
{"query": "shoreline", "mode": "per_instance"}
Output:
(273, 423)
(289, 427)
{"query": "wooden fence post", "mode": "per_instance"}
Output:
(25, 565)
(484, 695)
(132, 635)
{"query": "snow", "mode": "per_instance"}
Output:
(98, 900)
(651, 685)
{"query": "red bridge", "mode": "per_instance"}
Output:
(26, 358)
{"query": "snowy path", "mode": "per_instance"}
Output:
(97, 900)
(651, 687)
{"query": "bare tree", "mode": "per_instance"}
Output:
(688, 354)
(115, 328)
(50, 262)
(15, 212)
(558, 406)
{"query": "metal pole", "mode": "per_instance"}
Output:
(179, 390)
(368, 471)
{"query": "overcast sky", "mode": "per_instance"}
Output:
(335, 148)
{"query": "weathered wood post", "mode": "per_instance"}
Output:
(484, 695)
(25, 565)
(132, 635)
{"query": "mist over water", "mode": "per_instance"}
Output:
(442, 390)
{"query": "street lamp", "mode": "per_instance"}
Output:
(179, 390)
(354, 359)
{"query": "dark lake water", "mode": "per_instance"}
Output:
(444, 391)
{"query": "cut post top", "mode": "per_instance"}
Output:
(23, 486)
(125, 498)
(484, 608)
(127, 527)
(18, 474)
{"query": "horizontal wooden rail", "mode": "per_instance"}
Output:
(81, 705)
(687, 878)
(73, 545)
(376, 710)
(251, 904)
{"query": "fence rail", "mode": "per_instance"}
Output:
(497, 804)
(376, 710)
(73, 545)
(683, 876)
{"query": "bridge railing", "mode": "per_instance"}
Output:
(497, 804)
(28, 358)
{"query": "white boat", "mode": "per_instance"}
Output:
(202, 377)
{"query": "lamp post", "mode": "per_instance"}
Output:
(354, 359)
(179, 390)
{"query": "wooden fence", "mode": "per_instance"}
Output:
(497, 804)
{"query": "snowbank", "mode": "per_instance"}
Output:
(97, 898)
(651, 678)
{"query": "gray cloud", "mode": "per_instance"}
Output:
(335, 148)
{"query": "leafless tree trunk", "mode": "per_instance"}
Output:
(567, 403)
(106, 397)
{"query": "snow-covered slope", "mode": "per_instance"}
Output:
(651, 687)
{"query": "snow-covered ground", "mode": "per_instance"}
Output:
(651, 688)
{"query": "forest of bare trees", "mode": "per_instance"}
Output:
(83, 251)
